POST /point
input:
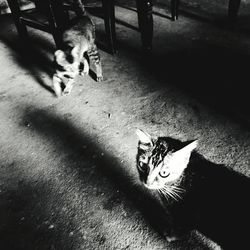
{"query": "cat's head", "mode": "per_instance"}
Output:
(159, 162)
(68, 56)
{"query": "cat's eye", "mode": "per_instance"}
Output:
(143, 158)
(164, 173)
(142, 165)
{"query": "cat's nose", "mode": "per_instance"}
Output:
(150, 183)
(150, 179)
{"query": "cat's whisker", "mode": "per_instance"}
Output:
(173, 196)
(178, 192)
(173, 192)
(178, 188)
(163, 164)
(162, 192)
(177, 195)
(168, 193)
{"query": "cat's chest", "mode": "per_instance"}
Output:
(84, 47)
(70, 70)
(72, 67)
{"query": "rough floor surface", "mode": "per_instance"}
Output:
(67, 175)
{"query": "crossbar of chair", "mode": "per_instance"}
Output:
(35, 24)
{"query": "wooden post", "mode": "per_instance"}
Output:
(233, 9)
(145, 22)
(16, 13)
(174, 5)
(109, 22)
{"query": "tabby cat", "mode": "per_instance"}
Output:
(78, 45)
(194, 192)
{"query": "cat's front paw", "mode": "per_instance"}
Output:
(58, 95)
(173, 238)
(84, 73)
(66, 91)
(99, 78)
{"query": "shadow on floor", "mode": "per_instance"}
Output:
(27, 215)
(213, 75)
(215, 202)
(218, 201)
(36, 54)
(31, 55)
(82, 152)
(211, 68)
(218, 196)
(77, 150)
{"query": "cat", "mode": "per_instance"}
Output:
(194, 192)
(78, 45)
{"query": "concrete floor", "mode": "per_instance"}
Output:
(67, 177)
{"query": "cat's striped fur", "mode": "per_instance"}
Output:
(78, 47)
(195, 193)
(161, 165)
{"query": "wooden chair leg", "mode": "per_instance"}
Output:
(145, 22)
(233, 9)
(40, 5)
(15, 10)
(58, 18)
(174, 6)
(109, 21)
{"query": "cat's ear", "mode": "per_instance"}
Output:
(179, 160)
(60, 57)
(75, 51)
(182, 156)
(189, 147)
(144, 138)
(185, 152)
